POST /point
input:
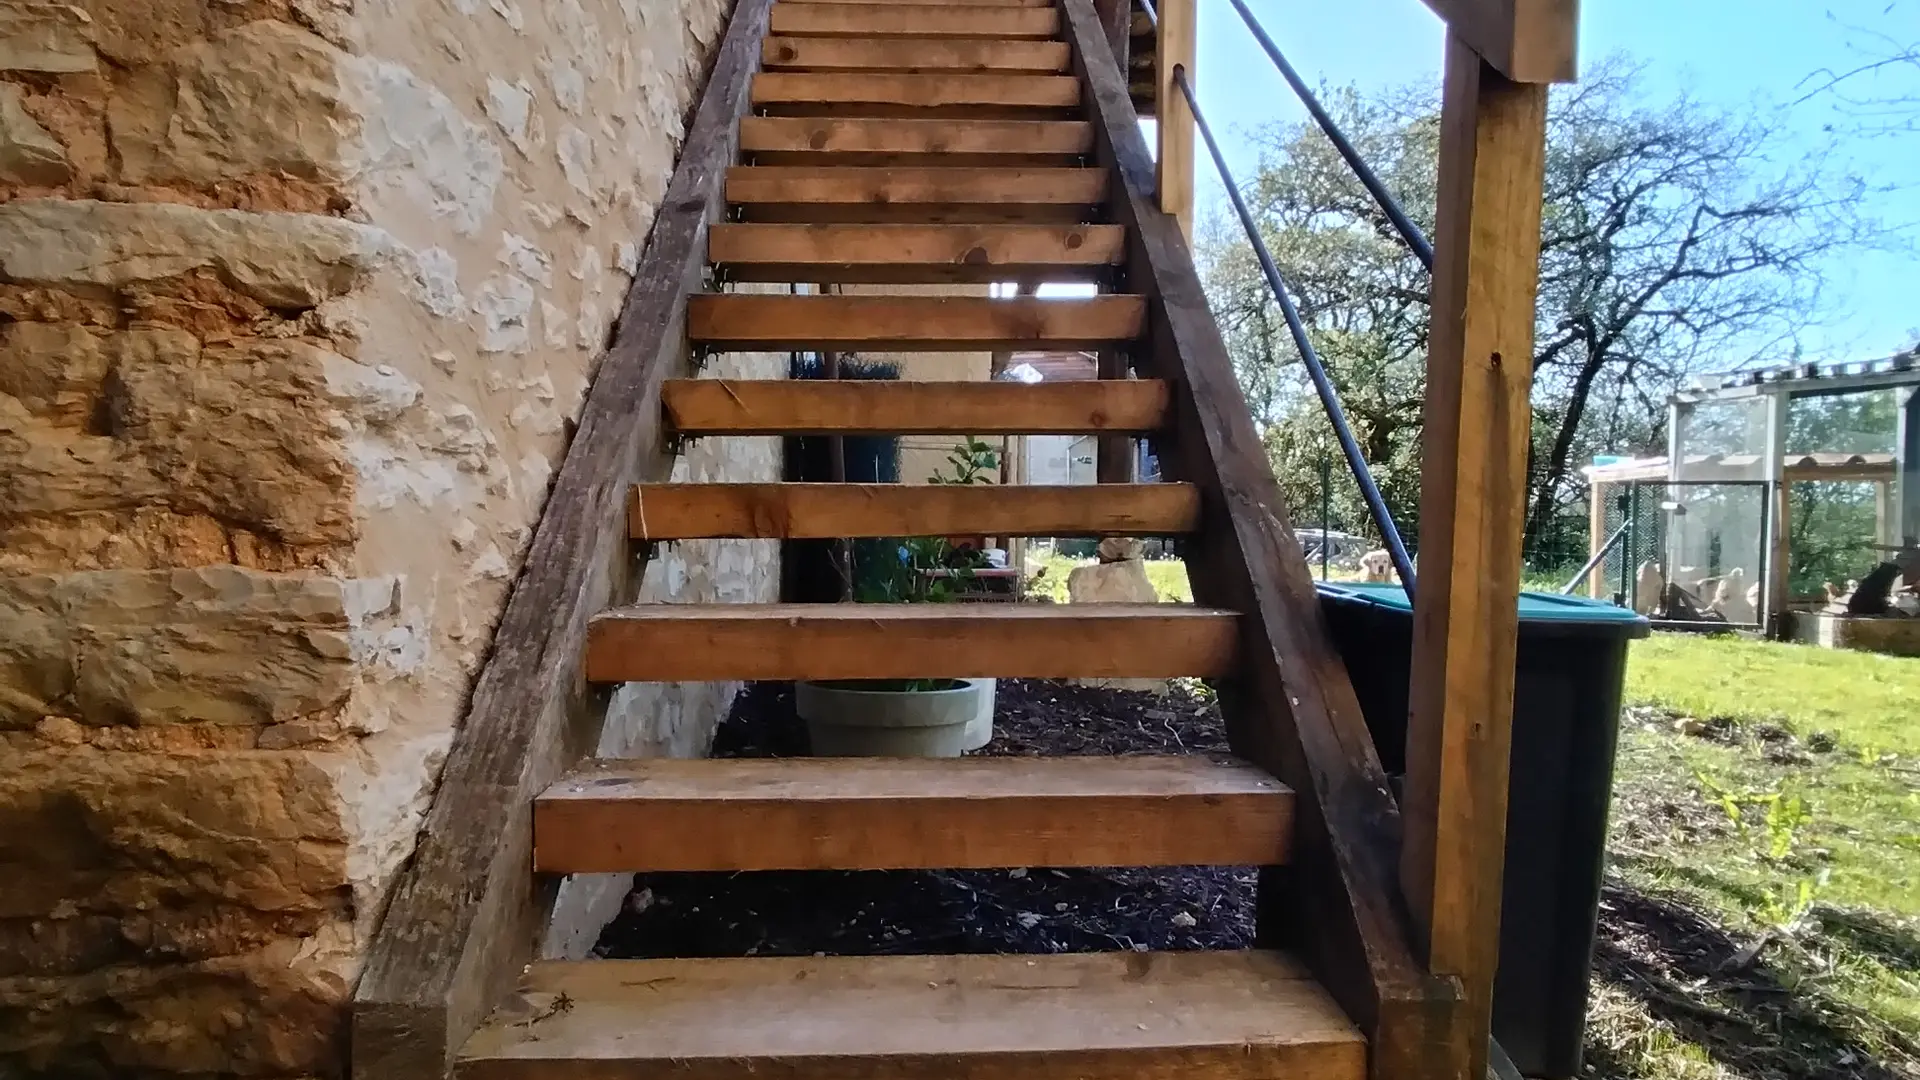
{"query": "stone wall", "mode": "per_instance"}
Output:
(297, 298)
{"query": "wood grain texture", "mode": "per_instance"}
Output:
(729, 407)
(947, 3)
(847, 91)
(1473, 487)
(916, 21)
(1292, 709)
(465, 915)
(1175, 47)
(758, 322)
(902, 813)
(1529, 41)
(915, 55)
(1089, 1016)
(897, 253)
(812, 140)
(825, 511)
(919, 196)
(722, 642)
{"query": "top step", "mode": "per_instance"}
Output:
(928, 21)
(1076, 1016)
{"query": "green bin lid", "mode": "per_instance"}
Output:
(1539, 610)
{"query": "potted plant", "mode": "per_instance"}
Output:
(908, 717)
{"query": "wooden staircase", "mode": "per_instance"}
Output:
(909, 142)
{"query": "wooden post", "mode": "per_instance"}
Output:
(1173, 172)
(1472, 502)
(1115, 456)
(1907, 461)
(1773, 601)
(1597, 535)
(1116, 18)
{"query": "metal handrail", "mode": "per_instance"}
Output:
(1409, 232)
(1317, 371)
(1605, 550)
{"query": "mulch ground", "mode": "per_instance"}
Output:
(1682, 967)
(862, 913)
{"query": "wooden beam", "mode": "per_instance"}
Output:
(905, 813)
(851, 93)
(1089, 1016)
(757, 322)
(1116, 16)
(879, 20)
(1473, 485)
(726, 642)
(1173, 176)
(824, 511)
(810, 140)
(1528, 41)
(947, 3)
(1291, 710)
(727, 407)
(1116, 457)
(927, 55)
(914, 253)
(1906, 524)
(465, 917)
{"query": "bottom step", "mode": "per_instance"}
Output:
(1074, 1016)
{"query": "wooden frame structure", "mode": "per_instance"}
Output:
(1394, 907)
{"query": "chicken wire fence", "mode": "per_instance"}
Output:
(1688, 551)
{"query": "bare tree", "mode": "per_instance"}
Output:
(1672, 241)
(1881, 91)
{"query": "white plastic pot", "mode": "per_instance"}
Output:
(847, 722)
(980, 731)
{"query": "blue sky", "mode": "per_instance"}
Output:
(1724, 52)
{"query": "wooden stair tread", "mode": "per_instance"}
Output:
(910, 813)
(916, 89)
(888, 253)
(793, 511)
(887, 141)
(722, 642)
(1008, 56)
(920, 20)
(807, 407)
(915, 195)
(757, 322)
(1089, 1016)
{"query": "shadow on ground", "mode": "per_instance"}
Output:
(1722, 995)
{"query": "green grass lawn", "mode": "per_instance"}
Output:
(1776, 789)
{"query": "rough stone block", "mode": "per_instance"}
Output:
(282, 260)
(217, 645)
(262, 97)
(29, 154)
(45, 35)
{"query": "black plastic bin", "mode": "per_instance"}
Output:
(1566, 711)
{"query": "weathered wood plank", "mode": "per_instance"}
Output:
(896, 253)
(466, 915)
(1174, 51)
(921, 21)
(753, 322)
(813, 140)
(824, 511)
(902, 813)
(849, 93)
(1473, 484)
(723, 642)
(926, 55)
(1089, 1016)
(726, 407)
(1292, 710)
(920, 196)
(1529, 41)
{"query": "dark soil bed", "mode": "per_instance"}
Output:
(955, 911)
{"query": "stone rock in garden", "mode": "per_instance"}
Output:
(1122, 582)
